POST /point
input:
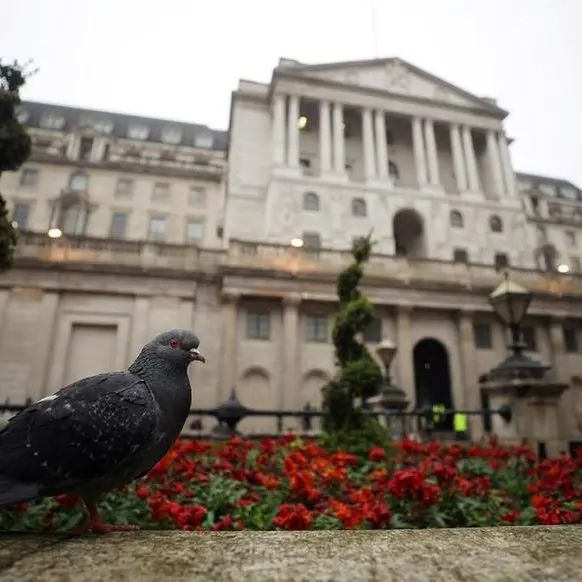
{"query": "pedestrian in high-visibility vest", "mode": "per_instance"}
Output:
(460, 426)
(438, 413)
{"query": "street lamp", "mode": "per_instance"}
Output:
(391, 398)
(54, 233)
(510, 302)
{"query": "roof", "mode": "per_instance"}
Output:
(560, 183)
(74, 117)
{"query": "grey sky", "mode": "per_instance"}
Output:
(181, 58)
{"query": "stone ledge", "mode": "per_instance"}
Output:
(469, 555)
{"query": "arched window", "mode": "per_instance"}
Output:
(78, 182)
(311, 201)
(359, 207)
(495, 223)
(393, 170)
(456, 219)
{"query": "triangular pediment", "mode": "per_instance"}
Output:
(394, 76)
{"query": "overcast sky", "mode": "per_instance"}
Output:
(180, 59)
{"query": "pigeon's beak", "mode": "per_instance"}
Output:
(195, 355)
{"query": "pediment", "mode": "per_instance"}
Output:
(394, 76)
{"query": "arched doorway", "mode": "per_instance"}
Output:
(408, 228)
(432, 377)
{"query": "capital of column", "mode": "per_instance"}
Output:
(292, 300)
(230, 297)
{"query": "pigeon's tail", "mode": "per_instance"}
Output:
(13, 492)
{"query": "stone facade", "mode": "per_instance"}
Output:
(322, 154)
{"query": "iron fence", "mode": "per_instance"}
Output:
(228, 416)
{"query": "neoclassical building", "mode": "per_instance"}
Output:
(130, 226)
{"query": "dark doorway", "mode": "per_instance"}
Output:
(408, 229)
(432, 378)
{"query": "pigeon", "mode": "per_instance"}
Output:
(102, 432)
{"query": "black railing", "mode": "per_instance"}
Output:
(231, 413)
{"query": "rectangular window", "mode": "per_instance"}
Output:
(118, 225)
(571, 238)
(29, 178)
(575, 265)
(316, 328)
(85, 148)
(482, 333)
(157, 228)
(460, 256)
(529, 337)
(20, 214)
(195, 230)
(258, 325)
(161, 192)
(571, 339)
(373, 334)
(501, 261)
(197, 196)
(124, 188)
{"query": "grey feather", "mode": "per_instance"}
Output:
(101, 432)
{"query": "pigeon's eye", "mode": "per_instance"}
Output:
(174, 342)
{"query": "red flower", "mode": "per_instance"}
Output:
(377, 454)
(293, 517)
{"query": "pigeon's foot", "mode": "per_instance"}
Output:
(96, 524)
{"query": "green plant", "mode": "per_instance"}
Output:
(15, 147)
(359, 376)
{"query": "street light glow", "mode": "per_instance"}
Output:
(563, 268)
(297, 242)
(54, 233)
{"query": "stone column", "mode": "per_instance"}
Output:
(293, 129)
(229, 316)
(560, 356)
(381, 145)
(279, 130)
(368, 144)
(472, 173)
(339, 156)
(289, 397)
(324, 137)
(471, 397)
(419, 152)
(507, 170)
(431, 151)
(458, 158)
(404, 353)
(495, 163)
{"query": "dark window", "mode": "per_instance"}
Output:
(482, 332)
(118, 225)
(29, 177)
(305, 162)
(85, 148)
(311, 201)
(258, 326)
(311, 241)
(393, 170)
(316, 328)
(20, 214)
(529, 337)
(456, 219)
(501, 261)
(571, 339)
(373, 333)
(460, 256)
(495, 224)
(359, 207)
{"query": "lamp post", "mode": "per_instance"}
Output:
(510, 303)
(391, 398)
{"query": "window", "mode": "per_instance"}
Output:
(311, 240)
(528, 334)
(570, 339)
(140, 132)
(157, 228)
(197, 196)
(71, 219)
(501, 261)
(85, 148)
(161, 192)
(316, 328)
(460, 255)
(124, 188)
(456, 219)
(20, 214)
(172, 134)
(571, 238)
(575, 264)
(373, 333)
(258, 326)
(495, 224)
(204, 140)
(311, 201)
(359, 207)
(103, 125)
(482, 333)
(29, 177)
(78, 182)
(195, 230)
(53, 121)
(305, 163)
(393, 170)
(118, 225)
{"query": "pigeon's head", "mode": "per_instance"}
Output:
(178, 346)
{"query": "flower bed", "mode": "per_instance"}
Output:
(293, 484)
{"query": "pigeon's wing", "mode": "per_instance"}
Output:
(84, 431)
